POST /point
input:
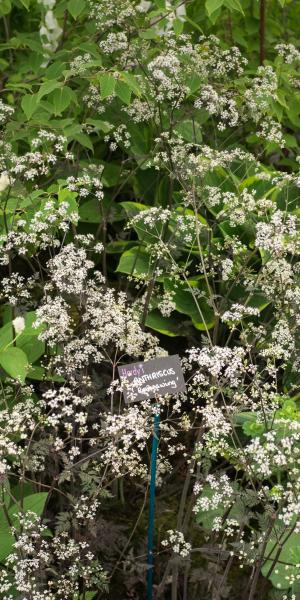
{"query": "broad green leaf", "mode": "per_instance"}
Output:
(38, 373)
(61, 99)
(132, 81)
(136, 262)
(193, 24)
(191, 304)
(47, 87)
(193, 82)
(75, 7)
(134, 208)
(189, 131)
(7, 335)
(27, 340)
(14, 361)
(111, 174)
(254, 429)
(33, 502)
(140, 139)
(30, 330)
(123, 91)
(5, 7)
(84, 140)
(6, 537)
(87, 595)
(107, 85)
(26, 3)
(148, 34)
(213, 5)
(119, 247)
(90, 211)
(100, 125)
(68, 198)
(146, 233)
(32, 347)
(234, 5)
(288, 557)
(178, 26)
(206, 518)
(29, 104)
(165, 325)
(246, 232)
(238, 294)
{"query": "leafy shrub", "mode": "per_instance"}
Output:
(149, 176)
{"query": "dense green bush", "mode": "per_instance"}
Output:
(149, 177)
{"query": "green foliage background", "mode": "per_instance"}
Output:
(47, 93)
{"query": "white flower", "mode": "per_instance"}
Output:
(4, 181)
(50, 20)
(19, 324)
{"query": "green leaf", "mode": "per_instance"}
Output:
(87, 595)
(107, 85)
(119, 247)
(7, 539)
(69, 198)
(191, 304)
(254, 429)
(61, 99)
(134, 208)
(6, 335)
(33, 502)
(90, 211)
(75, 7)
(132, 81)
(29, 104)
(38, 373)
(14, 361)
(193, 82)
(206, 518)
(140, 139)
(189, 131)
(193, 24)
(146, 233)
(100, 125)
(234, 5)
(47, 87)
(148, 34)
(26, 3)
(27, 340)
(111, 174)
(178, 26)
(84, 140)
(213, 5)
(136, 262)
(5, 7)
(288, 557)
(123, 91)
(165, 325)
(32, 347)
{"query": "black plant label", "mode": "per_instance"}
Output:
(152, 378)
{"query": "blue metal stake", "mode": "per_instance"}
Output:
(150, 559)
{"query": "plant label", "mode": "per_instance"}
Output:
(151, 379)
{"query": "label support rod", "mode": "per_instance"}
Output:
(150, 558)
